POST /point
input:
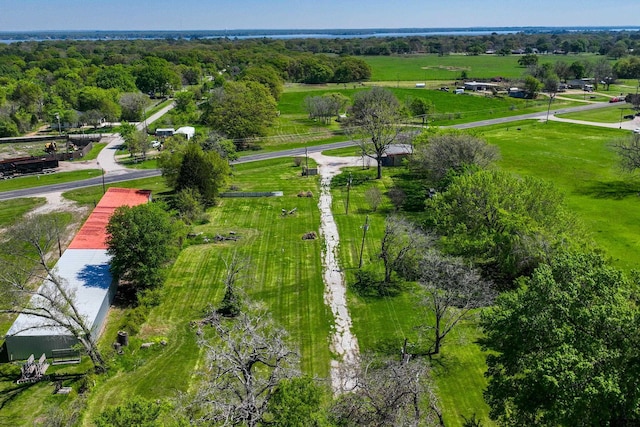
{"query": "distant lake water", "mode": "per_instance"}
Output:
(13, 37)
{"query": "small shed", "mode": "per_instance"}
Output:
(165, 132)
(188, 131)
(396, 154)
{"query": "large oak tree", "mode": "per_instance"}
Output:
(564, 347)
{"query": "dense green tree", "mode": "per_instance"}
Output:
(375, 121)
(156, 76)
(351, 69)
(142, 242)
(266, 75)
(191, 167)
(28, 95)
(296, 402)
(532, 86)
(563, 347)
(628, 67)
(240, 110)
(102, 100)
(528, 60)
(115, 77)
(506, 225)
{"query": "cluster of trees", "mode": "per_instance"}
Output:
(87, 82)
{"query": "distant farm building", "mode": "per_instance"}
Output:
(396, 154)
(515, 92)
(479, 86)
(84, 267)
(165, 132)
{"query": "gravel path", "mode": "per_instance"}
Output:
(344, 344)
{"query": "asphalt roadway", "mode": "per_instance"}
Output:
(131, 174)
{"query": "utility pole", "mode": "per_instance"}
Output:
(348, 191)
(306, 160)
(364, 234)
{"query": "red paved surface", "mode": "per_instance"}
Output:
(93, 234)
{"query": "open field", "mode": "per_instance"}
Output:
(578, 161)
(421, 68)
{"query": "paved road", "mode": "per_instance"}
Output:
(116, 173)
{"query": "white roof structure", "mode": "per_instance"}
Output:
(86, 273)
(84, 270)
(189, 131)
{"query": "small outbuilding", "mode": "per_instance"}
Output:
(479, 86)
(187, 131)
(396, 154)
(165, 132)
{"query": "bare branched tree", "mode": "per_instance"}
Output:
(245, 361)
(389, 393)
(375, 122)
(628, 150)
(402, 243)
(30, 286)
(452, 291)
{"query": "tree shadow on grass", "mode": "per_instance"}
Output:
(615, 190)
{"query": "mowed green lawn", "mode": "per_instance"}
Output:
(284, 275)
(602, 115)
(579, 162)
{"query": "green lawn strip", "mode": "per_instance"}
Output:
(47, 179)
(285, 276)
(602, 115)
(382, 324)
(578, 161)
(12, 210)
(95, 150)
(459, 376)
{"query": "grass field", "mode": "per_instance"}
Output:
(47, 179)
(578, 161)
(602, 115)
(285, 275)
(420, 68)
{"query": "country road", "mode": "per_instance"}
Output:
(117, 173)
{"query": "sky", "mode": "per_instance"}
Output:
(31, 15)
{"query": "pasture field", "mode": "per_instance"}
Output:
(421, 68)
(578, 160)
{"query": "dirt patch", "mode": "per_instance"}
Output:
(446, 68)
